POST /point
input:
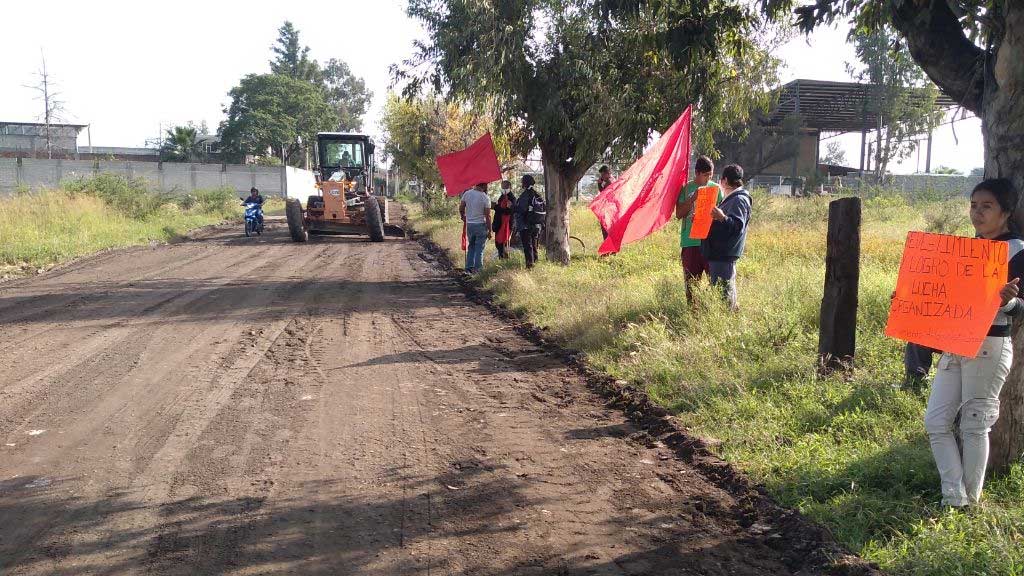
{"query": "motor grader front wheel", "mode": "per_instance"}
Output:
(374, 220)
(296, 224)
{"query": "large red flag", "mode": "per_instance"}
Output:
(643, 198)
(467, 168)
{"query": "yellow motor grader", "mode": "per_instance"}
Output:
(344, 202)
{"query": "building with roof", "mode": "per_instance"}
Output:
(29, 139)
(825, 109)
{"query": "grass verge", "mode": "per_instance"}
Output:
(849, 452)
(44, 228)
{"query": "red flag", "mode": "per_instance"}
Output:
(643, 198)
(461, 171)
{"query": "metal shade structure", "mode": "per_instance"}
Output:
(832, 106)
(837, 108)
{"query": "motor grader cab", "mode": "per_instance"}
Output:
(344, 202)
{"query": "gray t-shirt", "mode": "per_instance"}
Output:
(477, 205)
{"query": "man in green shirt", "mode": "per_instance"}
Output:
(694, 263)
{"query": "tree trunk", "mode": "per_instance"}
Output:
(1002, 124)
(560, 179)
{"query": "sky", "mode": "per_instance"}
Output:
(127, 70)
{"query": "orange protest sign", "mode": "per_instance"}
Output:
(947, 292)
(707, 198)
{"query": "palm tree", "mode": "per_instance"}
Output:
(180, 144)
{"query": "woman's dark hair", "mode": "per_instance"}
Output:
(733, 174)
(253, 189)
(602, 169)
(1004, 191)
(528, 180)
(703, 164)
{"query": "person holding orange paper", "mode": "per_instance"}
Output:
(724, 245)
(969, 388)
(693, 261)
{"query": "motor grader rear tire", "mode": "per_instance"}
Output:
(296, 225)
(374, 220)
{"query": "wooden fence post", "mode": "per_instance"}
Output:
(837, 333)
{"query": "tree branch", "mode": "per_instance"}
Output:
(938, 43)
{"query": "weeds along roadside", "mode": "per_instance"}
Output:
(42, 228)
(848, 452)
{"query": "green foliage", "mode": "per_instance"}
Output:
(947, 170)
(418, 129)
(40, 229)
(292, 58)
(347, 94)
(221, 201)
(947, 218)
(581, 76)
(271, 112)
(343, 91)
(180, 144)
(129, 196)
(849, 452)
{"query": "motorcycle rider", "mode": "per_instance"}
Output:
(255, 198)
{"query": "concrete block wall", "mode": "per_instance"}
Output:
(170, 177)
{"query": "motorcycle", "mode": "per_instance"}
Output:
(253, 218)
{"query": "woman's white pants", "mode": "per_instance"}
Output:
(967, 388)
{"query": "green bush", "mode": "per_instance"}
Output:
(217, 201)
(128, 195)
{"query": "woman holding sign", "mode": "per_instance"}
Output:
(728, 234)
(969, 387)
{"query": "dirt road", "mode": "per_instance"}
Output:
(252, 406)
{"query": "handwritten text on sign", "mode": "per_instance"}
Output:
(707, 197)
(947, 292)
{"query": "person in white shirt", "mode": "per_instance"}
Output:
(475, 209)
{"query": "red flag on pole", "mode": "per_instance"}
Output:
(643, 198)
(462, 170)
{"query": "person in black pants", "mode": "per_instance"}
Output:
(917, 361)
(529, 230)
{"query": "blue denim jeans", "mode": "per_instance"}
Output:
(476, 236)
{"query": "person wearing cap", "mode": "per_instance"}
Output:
(475, 209)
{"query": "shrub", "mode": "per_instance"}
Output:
(216, 201)
(128, 195)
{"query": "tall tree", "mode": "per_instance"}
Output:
(346, 93)
(180, 144)
(586, 75)
(274, 112)
(902, 98)
(971, 49)
(292, 57)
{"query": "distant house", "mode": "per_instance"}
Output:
(28, 139)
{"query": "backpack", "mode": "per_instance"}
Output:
(538, 210)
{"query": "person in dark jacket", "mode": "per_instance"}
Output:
(255, 198)
(504, 214)
(529, 228)
(724, 245)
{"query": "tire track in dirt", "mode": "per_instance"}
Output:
(337, 407)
